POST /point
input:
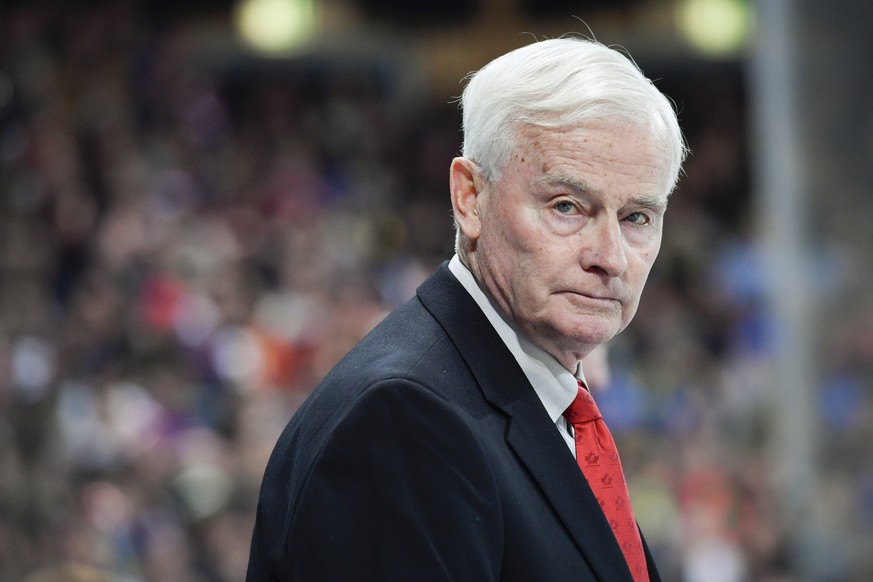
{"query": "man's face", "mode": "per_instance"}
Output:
(564, 241)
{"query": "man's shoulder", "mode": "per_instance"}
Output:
(404, 358)
(407, 341)
(397, 340)
(410, 351)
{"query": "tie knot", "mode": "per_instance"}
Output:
(583, 408)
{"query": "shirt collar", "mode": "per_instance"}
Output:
(555, 386)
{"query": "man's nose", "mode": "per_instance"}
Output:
(603, 247)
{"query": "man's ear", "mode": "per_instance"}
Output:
(465, 185)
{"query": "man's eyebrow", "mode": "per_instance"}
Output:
(570, 182)
(651, 202)
(582, 188)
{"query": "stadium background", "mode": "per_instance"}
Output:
(192, 230)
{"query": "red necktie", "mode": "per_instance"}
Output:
(598, 459)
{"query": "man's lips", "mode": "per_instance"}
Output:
(590, 297)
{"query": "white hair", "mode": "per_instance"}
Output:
(557, 83)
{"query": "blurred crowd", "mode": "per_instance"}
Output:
(186, 247)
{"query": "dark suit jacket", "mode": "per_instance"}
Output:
(425, 454)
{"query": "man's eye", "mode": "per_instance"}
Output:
(564, 207)
(637, 218)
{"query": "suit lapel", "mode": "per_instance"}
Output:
(553, 468)
(530, 432)
(654, 576)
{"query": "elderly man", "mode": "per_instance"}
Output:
(458, 440)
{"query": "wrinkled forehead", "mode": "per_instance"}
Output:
(613, 139)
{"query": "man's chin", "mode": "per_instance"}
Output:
(593, 330)
(578, 339)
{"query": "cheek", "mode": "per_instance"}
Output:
(647, 255)
(647, 261)
(638, 274)
(509, 239)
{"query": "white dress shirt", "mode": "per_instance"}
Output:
(555, 386)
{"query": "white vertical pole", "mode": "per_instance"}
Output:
(782, 188)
